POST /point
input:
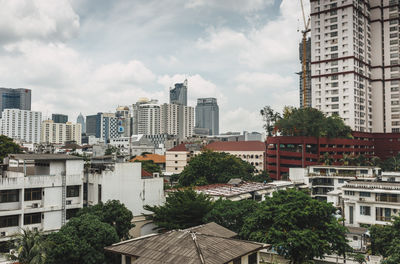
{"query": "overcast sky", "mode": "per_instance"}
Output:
(90, 56)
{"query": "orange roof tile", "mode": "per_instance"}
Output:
(154, 157)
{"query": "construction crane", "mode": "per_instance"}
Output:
(304, 60)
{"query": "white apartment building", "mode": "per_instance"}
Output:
(186, 122)
(134, 145)
(169, 119)
(149, 119)
(23, 125)
(370, 203)
(59, 133)
(39, 191)
(355, 62)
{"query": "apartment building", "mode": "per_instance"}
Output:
(254, 152)
(21, 125)
(370, 203)
(59, 133)
(39, 191)
(178, 157)
(355, 62)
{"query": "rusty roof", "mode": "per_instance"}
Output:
(184, 247)
(237, 146)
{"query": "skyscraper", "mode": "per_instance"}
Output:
(177, 120)
(178, 95)
(81, 120)
(59, 118)
(19, 98)
(207, 115)
(21, 125)
(348, 79)
(103, 126)
(308, 74)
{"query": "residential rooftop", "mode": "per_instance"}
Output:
(154, 157)
(372, 185)
(43, 157)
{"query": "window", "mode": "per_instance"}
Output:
(349, 193)
(10, 220)
(253, 258)
(9, 196)
(365, 210)
(71, 213)
(237, 261)
(365, 194)
(341, 180)
(30, 219)
(73, 191)
(33, 194)
(99, 193)
(128, 260)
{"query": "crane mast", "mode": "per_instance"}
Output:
(304, 60)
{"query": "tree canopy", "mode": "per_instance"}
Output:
(182, 209)
(299, 227)
(29, 247)
(150, 166)
(114, 213)
(307, 121)
(7, 146)
(385, 241)
(81, 240)
(214, 167)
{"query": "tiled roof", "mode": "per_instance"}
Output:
(154, 157)
(180, 147)
(185, 247)
(146, 174)
(213, 229)
(237, 146)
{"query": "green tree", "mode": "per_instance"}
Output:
(7, 146)
(393, 252)
(346, 160)
(326, 159)
(231, 214)
(261, 177)
(298, 227)
(392, 164)
(384, 239)
(182, 209)
(150, 166)
(81, 241)
(29, 247)
(359, 258)
(270, 117)
(214, 167)
(114, 213)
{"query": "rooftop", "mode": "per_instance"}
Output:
(237, 146)
(228, 190)
(213, 229)
(373, 185)
(185, 247)
(43, 157)
(154, 157)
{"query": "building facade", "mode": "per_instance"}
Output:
(59, 133)
(178, 94)
(39, 191)
(22, 125)
(81, 120)
(207, 115)
(308, 74)
(149, 119)
(59, 118)
(15, 99)
(348, 79)
(103, 126)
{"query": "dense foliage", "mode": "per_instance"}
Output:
(231, 214)
(385, 241)
(81, 240)
(114, 213)
(214, 167)
(29, 247)
(307, 121)
(298, 227)
(182, 209)
(7, 146)
(150, 166)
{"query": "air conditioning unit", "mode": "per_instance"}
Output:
(68, 202)
(35, 205)
(3, 234)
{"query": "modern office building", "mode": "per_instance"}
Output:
(125, 121)
(308, 74)
(81, 120)
(19, 98)
(22, 125)
(355, 62)
(207, 115)
(60, 133)
(178, 94)
(103, 126)
(59, 118)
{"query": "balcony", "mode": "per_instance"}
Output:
(383, 218)
(387, 198)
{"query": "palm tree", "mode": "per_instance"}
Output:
(29, 247)
(346, 160)
(326, 159)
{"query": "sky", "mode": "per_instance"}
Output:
(89, 56)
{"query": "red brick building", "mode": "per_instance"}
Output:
(284, 152)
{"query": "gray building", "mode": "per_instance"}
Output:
(81, 120)
(19, 98)
(178, 94)
(308, 73)
(91, 122)
(207, 115)
(59, 118)
(103, 126)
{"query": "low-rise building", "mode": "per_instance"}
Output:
(155, 158)
(369, 203)
(178, 157)
(39, 191)
(251, 151)
(134, 145)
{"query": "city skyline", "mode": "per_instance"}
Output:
(79, 60)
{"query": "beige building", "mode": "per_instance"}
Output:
(254, 152)
(178, 157)
(59, 133)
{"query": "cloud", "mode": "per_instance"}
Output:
(37, 19)
(240, 119)
(252, 82)
(224, 38)
(236, 5)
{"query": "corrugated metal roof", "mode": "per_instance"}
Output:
(185, 247)
(44, 157)
(213, 229)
